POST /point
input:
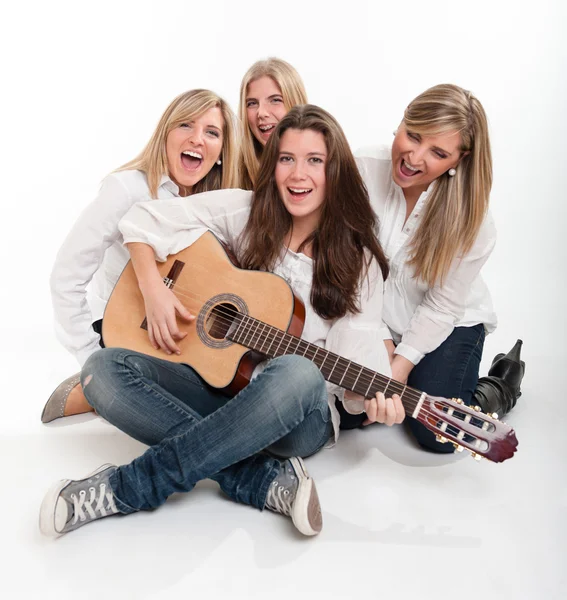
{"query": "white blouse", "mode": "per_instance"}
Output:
(421, 318)
(171, 225)
(93, 253)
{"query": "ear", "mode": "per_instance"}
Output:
(463, 154)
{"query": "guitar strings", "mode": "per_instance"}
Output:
(412, 396)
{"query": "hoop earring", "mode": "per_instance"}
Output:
(452, 172)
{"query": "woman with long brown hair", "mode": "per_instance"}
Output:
(310, 221)
(431, 194)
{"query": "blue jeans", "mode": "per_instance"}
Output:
(196, 433)
(450, 371)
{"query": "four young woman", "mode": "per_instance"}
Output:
(425, 325)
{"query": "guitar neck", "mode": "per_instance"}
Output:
(273, 342)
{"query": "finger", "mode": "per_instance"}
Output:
(159, 341)
(183, 312)
(381, 411)
(151, 336)
(173, 328)
(170, 345)
(400, 410)
(390, 412)
(370, 409)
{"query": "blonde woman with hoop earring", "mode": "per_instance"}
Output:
(431, 194)
(193, 149)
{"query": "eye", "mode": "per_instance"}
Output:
(285, 159)
(185, 125)
(213, 132)
(316, 160)
(277, 100)
(251, 103)
(412, 136)
(440, 154)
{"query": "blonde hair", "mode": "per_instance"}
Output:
(293, 93)
(457, 205)
(187, 107)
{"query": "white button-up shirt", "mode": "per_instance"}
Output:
(419, 317)
(93, 253)
(171, 225)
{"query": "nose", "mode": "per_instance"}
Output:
(298, 171)
(417, 155)
(263, 110)
(196, 136)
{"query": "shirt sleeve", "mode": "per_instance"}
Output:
(360, 337)
(169, 226)
(442, 306)
(77, 261)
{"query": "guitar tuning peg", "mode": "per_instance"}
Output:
(476, 456)
(458, 400)
(458, 448)
(477, 408)
(494, 415)
(441, 439)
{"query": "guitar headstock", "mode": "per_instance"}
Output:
(468, 428)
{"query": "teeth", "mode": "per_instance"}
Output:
(298, 191)
(266, 127)
(193, 154)
(410, 167)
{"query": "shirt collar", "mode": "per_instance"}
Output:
(167, 183)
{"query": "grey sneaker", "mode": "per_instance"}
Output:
(70, 504)
(293, 493)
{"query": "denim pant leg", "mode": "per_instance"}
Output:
(152, 399)
(450, 371)
(286, 393)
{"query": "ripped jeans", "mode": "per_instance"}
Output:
(196, 433)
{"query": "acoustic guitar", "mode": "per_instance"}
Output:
(243, 317)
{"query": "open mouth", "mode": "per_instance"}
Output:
(407, 170)
(266, 130)
(191, 160)
(299, 193)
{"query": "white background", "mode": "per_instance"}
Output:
(84, 84)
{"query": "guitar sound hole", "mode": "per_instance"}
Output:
(219, 320)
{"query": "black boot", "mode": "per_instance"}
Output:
(499, 392)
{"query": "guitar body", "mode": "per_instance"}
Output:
(212, 288)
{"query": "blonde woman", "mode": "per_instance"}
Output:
(269, 89)
(431, 194)
(193, 149)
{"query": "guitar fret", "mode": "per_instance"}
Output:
(265, 337)
(270, 346)
(338, 358)
(371, 382)
(356, 381)
(341, 381)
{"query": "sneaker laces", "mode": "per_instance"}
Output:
(84, 508)
(279, 499)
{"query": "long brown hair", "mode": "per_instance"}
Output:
(186, 107)
(293, 92)
(344, 243)
(457, 205)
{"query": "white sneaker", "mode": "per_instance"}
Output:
(293, 493)
(70, 504)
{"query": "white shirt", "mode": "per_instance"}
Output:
(171, 225)
(421, 318)
(93, 253)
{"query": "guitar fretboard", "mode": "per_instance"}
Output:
(273, 342)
